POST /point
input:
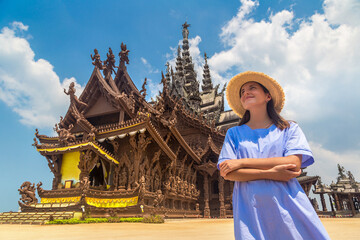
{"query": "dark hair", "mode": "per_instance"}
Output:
(279, 121)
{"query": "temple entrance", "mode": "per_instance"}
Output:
(214, 198)
(96, 175)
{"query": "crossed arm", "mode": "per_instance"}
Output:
(249, 169)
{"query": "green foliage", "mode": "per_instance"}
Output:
(118, 219)
(95, 220)
(77, 221)
(153, 219)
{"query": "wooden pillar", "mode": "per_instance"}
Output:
(351, 202)
(337, 203)
(121, 117)
(323, 204)
(206, 196)
(221, 197)
(331, 203)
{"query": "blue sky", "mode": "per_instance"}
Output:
(310, 47)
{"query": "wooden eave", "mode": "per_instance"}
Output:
(183, 143)
(119, 129)
(123, 76)
(135, 125)
(208, 167)
(196, 121)
(45, 139)
(78, 146)
(160, 141)
(210, 147)
(101, 85)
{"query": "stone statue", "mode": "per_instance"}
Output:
(341, 172)
(351, 176)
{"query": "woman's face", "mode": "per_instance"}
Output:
(253, 95)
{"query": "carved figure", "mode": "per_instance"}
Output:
(341, 172)
(159, 198)
(185, 31)
(109, 64)
(142, 190)
(143, 88)
(73, 98)
(35, 144)
(64, 134)
(54, 167)
(351, 176)
(91, 135)
(123, 56)
(156, 182)
(39, 189)
(85, 184)
(38, 135)
(27, 192)
(96, 58)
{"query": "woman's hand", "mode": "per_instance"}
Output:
(283, 172)
(229, 166)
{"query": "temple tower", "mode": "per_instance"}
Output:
(207, 83)
(191, 86)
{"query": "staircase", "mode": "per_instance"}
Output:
(32, 217)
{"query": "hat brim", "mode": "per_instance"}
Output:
(235, 84)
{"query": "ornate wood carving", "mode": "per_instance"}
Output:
(138, 151)
(88, 159)
(221, 197)
(27, 192)
(53, 163)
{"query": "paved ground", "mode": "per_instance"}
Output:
(198, 229)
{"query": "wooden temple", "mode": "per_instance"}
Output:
(117, 154)
(344, 195)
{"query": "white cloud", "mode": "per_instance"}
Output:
(317, 64)
(152, 89)
(342, 12)
(327, 160)
(19, 26)
(148, 66)
(30, 87)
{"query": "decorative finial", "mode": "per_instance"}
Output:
(96, 58)
(185, 31)
(124, 56)
(143, 88)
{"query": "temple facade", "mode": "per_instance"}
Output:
(117, 154)
(343, 196)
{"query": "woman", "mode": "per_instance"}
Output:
(263, 155)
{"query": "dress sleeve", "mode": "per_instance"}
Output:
(296, 143)
(228, 150)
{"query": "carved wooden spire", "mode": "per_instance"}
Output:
(207, 83)
(191, 84)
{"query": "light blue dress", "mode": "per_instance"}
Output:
(267, 209)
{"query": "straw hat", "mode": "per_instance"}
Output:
(233, 90)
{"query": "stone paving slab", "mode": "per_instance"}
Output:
(174, 229)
